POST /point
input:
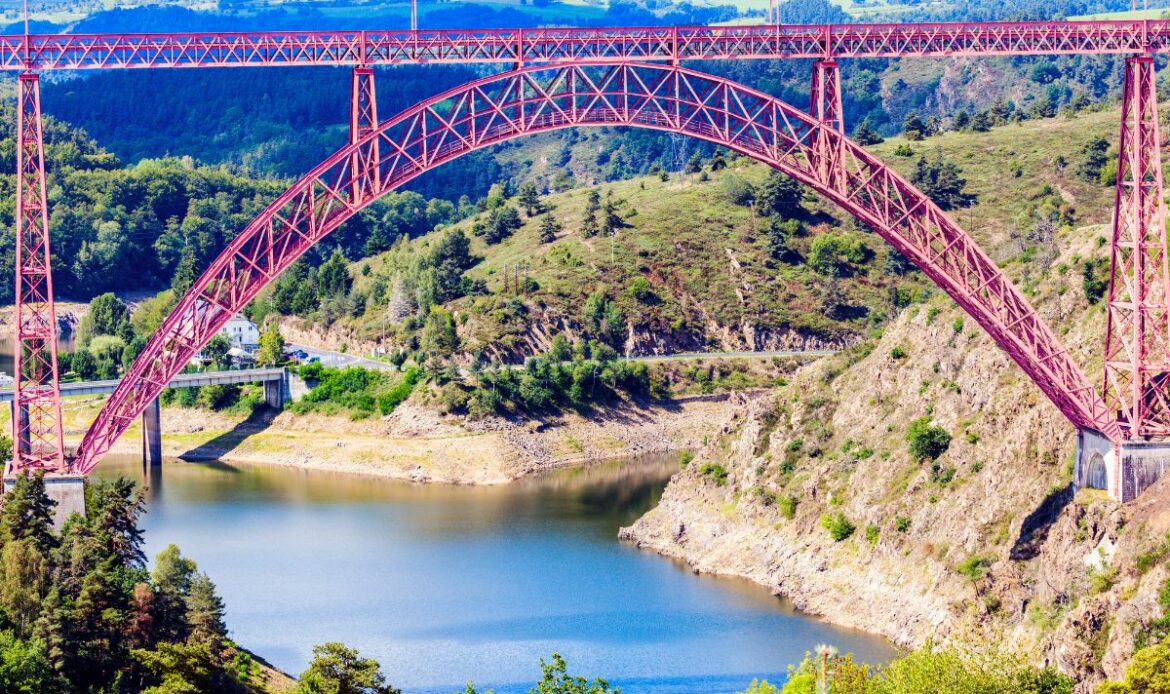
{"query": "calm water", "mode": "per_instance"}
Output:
(444, 585)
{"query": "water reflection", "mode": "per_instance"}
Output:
(445, 584)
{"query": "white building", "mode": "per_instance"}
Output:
(243, 333)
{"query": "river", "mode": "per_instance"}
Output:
(445, 585)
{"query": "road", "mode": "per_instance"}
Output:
(341, 359)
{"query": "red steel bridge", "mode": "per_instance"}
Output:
(562, 78)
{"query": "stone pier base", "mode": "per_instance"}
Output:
(67, 490)
(1124, 470)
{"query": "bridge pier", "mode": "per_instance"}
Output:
(152, 435)
(67, 490)
(276, 393)
(1124, 470)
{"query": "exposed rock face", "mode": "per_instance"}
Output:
(987, 542)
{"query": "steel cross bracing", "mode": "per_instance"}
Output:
(538, 99)
(1137, 337)
(36, 422)
(577, 46)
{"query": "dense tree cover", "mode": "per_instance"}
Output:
(79, 611)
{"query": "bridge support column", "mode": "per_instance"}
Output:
(276, 392)
(1137, 336)
(826, 106)
(152, 435)
(36, 431)
(363, 117)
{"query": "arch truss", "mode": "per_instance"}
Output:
(538, 99)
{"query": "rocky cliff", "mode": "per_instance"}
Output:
(988, 541)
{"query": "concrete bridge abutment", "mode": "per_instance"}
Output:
(68, 491)
(1125, 470)
(152, 435)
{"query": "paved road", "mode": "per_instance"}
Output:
(340, 359)
(735, 355)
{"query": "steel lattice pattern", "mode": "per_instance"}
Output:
(578, 46)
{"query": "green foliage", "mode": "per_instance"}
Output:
(397, 395)
(838, 255)
(1094, 158)
(549, 228)
(217, 350)
(761, 687)
(942, 181)
(439, 336)
(714, 472)
(500, 224)
(865, 135)
(555, 679)
(839, 527)
(1095, 279)
(604, 319)
(338, 669)
(1147, 673)
(81, 613)
(902, 524)
(787, 506)
(974, 567)
(271, 351)
(641, 290)
(927, 442)
(872, 533)
(780, 196)
(739, 191)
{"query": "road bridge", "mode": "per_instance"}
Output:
(634, 77)
(279, 387)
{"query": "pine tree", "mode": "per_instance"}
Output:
(205, 610)
(26, 513)
(865, 134)
(549, 228)
(530, 199)
(399, 307)
(589, 226)
(114, 509)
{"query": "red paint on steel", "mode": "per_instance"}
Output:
(1137, 337)
(36, 422)
(578, 46)
(538, 99)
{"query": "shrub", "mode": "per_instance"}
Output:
(788, 506)
(685, 458)
(897, 353)
(872, 533)
(902, 524)
(394, 397)
(974, 567)
(927, 442)
(716, 472)
(641, 290)
(839, 527)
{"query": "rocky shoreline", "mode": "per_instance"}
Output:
(417, 444)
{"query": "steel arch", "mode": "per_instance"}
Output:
(537, 99)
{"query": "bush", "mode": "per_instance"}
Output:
(788, 506)
(398, 394)
(902, 524)
(927, 442)
(641, 290)
(839, 527)
(974, 567)
(716, 472)
(872, 533)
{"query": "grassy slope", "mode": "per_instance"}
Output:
(705, 257)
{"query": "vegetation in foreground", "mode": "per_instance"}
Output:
(80, 612)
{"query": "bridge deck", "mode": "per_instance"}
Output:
(578, 46)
